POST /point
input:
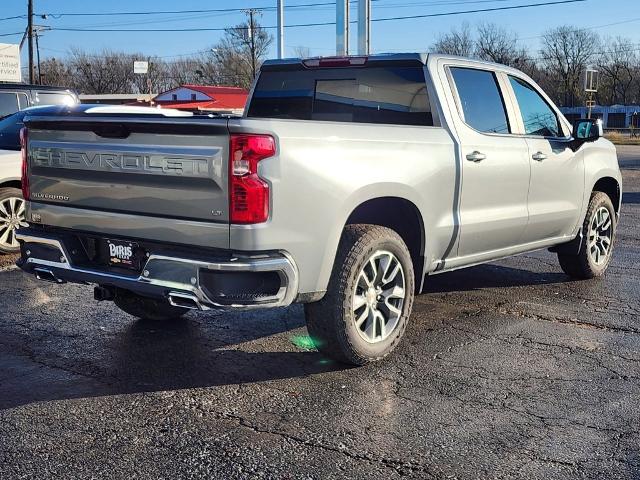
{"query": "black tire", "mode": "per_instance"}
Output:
(583, 266)
(147, 308)
(331, 321)
(6, 194)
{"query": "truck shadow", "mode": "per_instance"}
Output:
(489, 276)
(201, 351)
(197, 354)
(204, 350)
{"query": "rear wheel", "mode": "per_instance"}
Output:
(147, 308)
(599, 229)
(364, 313)
(12, 216)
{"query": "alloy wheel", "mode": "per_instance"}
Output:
(379, 296)
(12, 216)
(600, 236)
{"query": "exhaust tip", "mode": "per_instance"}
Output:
(184, 300)
(47, 275)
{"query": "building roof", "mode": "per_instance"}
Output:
(222, 98)
(212, 90)
(118, 96)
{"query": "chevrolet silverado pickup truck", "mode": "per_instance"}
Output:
(344, 186)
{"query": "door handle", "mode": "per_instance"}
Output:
(538, 157)
(476, 156)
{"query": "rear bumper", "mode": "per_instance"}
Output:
(184, 282)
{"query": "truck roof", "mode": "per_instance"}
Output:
(378, 57)
(387, 57)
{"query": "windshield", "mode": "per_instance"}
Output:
(10, 131)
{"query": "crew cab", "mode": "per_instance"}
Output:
(347, 183)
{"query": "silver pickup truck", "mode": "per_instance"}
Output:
(347, 182)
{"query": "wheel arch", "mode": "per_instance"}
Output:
(400, 215)
(11, 184)
(611, 187)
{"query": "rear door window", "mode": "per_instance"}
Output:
(481, 100)
(386, 95)
(8, 103)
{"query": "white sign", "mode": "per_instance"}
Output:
(140, 67)
(10, 63)
(591, 80)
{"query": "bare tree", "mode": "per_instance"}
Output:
(183, 71)
(242, 50)
(496, 44)
(565, 54)
(457, 42)
(618, 67)
(157, 78)
(55, 72)
(301, 52)
(108, 72)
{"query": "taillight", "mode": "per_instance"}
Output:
(25, 163)
(248, 193)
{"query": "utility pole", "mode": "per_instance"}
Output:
(342, 27)
(30, 37)
(280, 28)
(252, 41)
(364, 27)
(38, 56)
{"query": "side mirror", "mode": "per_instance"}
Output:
(587, 130)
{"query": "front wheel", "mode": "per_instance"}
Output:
(147, 308)
(364, 313)
(599, 228)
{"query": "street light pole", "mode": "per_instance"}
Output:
(342, 27)
(364, 27)
(280, 28)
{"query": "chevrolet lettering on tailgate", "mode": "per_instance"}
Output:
(124, 161)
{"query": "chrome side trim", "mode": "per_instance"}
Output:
(180, 275)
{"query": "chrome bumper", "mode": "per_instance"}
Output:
(177, 279)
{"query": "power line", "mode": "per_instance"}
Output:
(590, 28)
(173, 12)
(319, 24)
(494, 9)
(12, 18)
(239, 9)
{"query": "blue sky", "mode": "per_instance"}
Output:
(402, 35)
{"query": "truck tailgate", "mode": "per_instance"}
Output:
(141, 165)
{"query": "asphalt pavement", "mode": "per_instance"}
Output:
(507, 370)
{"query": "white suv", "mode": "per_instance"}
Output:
(11, 202)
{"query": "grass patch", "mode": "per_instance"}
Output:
(621, 138)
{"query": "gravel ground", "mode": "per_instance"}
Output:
(508, 370)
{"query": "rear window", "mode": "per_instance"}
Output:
(47, 98)
(387, 95)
